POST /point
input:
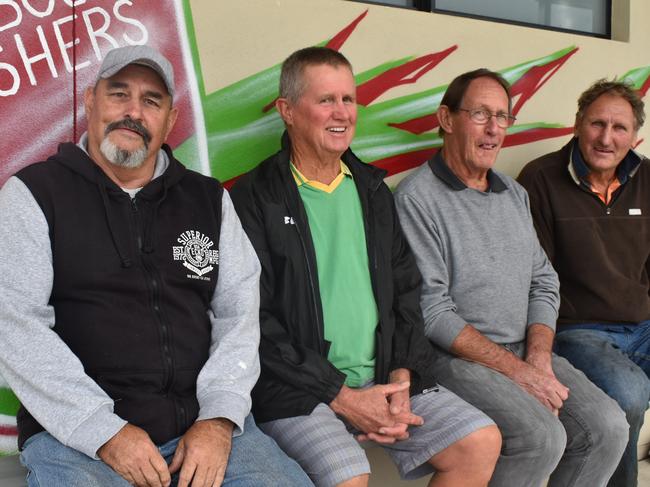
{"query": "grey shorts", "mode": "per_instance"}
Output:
(325, 447)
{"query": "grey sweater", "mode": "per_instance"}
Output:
(479, 256)
(50, 380)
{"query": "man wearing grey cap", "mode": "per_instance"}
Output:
(132, 360)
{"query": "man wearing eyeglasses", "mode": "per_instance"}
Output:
(490, 301)
(590, 204)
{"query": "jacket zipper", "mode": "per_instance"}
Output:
(608, 206)
(371, 239)
(372, 245)
(310, 275)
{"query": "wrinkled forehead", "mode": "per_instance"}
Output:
(488, 93)
(312, 71)
(608, 101)
(610, 107)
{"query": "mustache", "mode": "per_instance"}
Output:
(128, 123)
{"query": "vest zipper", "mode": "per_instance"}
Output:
(155, 298)
(136, 219)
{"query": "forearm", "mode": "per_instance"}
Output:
(535, 378)
(539, 346)
(539, 340)
(225, 382)
(400, 375)
(472, 345)
(223, 425)
(340, 404)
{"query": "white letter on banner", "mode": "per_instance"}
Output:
(128, 20)
(28, 61)
(19, 15)
(14, 74)
(101, 32)
(64, 46)
(38, 13)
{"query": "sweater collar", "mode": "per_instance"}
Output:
(444, 173)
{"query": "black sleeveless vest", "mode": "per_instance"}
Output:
(133, 281)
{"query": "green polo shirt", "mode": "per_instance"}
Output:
(349, 309)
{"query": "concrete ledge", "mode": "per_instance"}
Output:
(643, 446)
(12, 473)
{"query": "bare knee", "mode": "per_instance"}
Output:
(359, 481)
(476, 454)
(483, 448)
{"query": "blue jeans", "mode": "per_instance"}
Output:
(255, 461)
(615, 357)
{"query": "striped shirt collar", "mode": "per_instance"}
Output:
(300, 178)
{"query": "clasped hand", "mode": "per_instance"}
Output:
(381, 412)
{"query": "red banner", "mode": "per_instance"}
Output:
(43, 74)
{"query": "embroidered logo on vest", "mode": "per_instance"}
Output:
(196, 254)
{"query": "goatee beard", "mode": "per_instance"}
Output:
(121, 157)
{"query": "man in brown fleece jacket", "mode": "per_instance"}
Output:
(591, 207)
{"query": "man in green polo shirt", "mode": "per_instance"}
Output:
(343, 352)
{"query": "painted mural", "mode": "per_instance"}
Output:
(51, 49)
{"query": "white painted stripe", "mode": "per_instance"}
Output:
(7, 420)
(199, 121)
(8, 444)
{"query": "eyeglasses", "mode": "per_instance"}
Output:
(481, 116)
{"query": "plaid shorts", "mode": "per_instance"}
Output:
(325, 447)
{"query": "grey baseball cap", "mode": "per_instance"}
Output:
(121, 57)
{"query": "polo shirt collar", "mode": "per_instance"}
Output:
(442, 171)
(300, 179)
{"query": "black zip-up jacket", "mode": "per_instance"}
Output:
(296, 374)
(125, 303)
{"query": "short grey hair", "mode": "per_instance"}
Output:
(292, 83)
